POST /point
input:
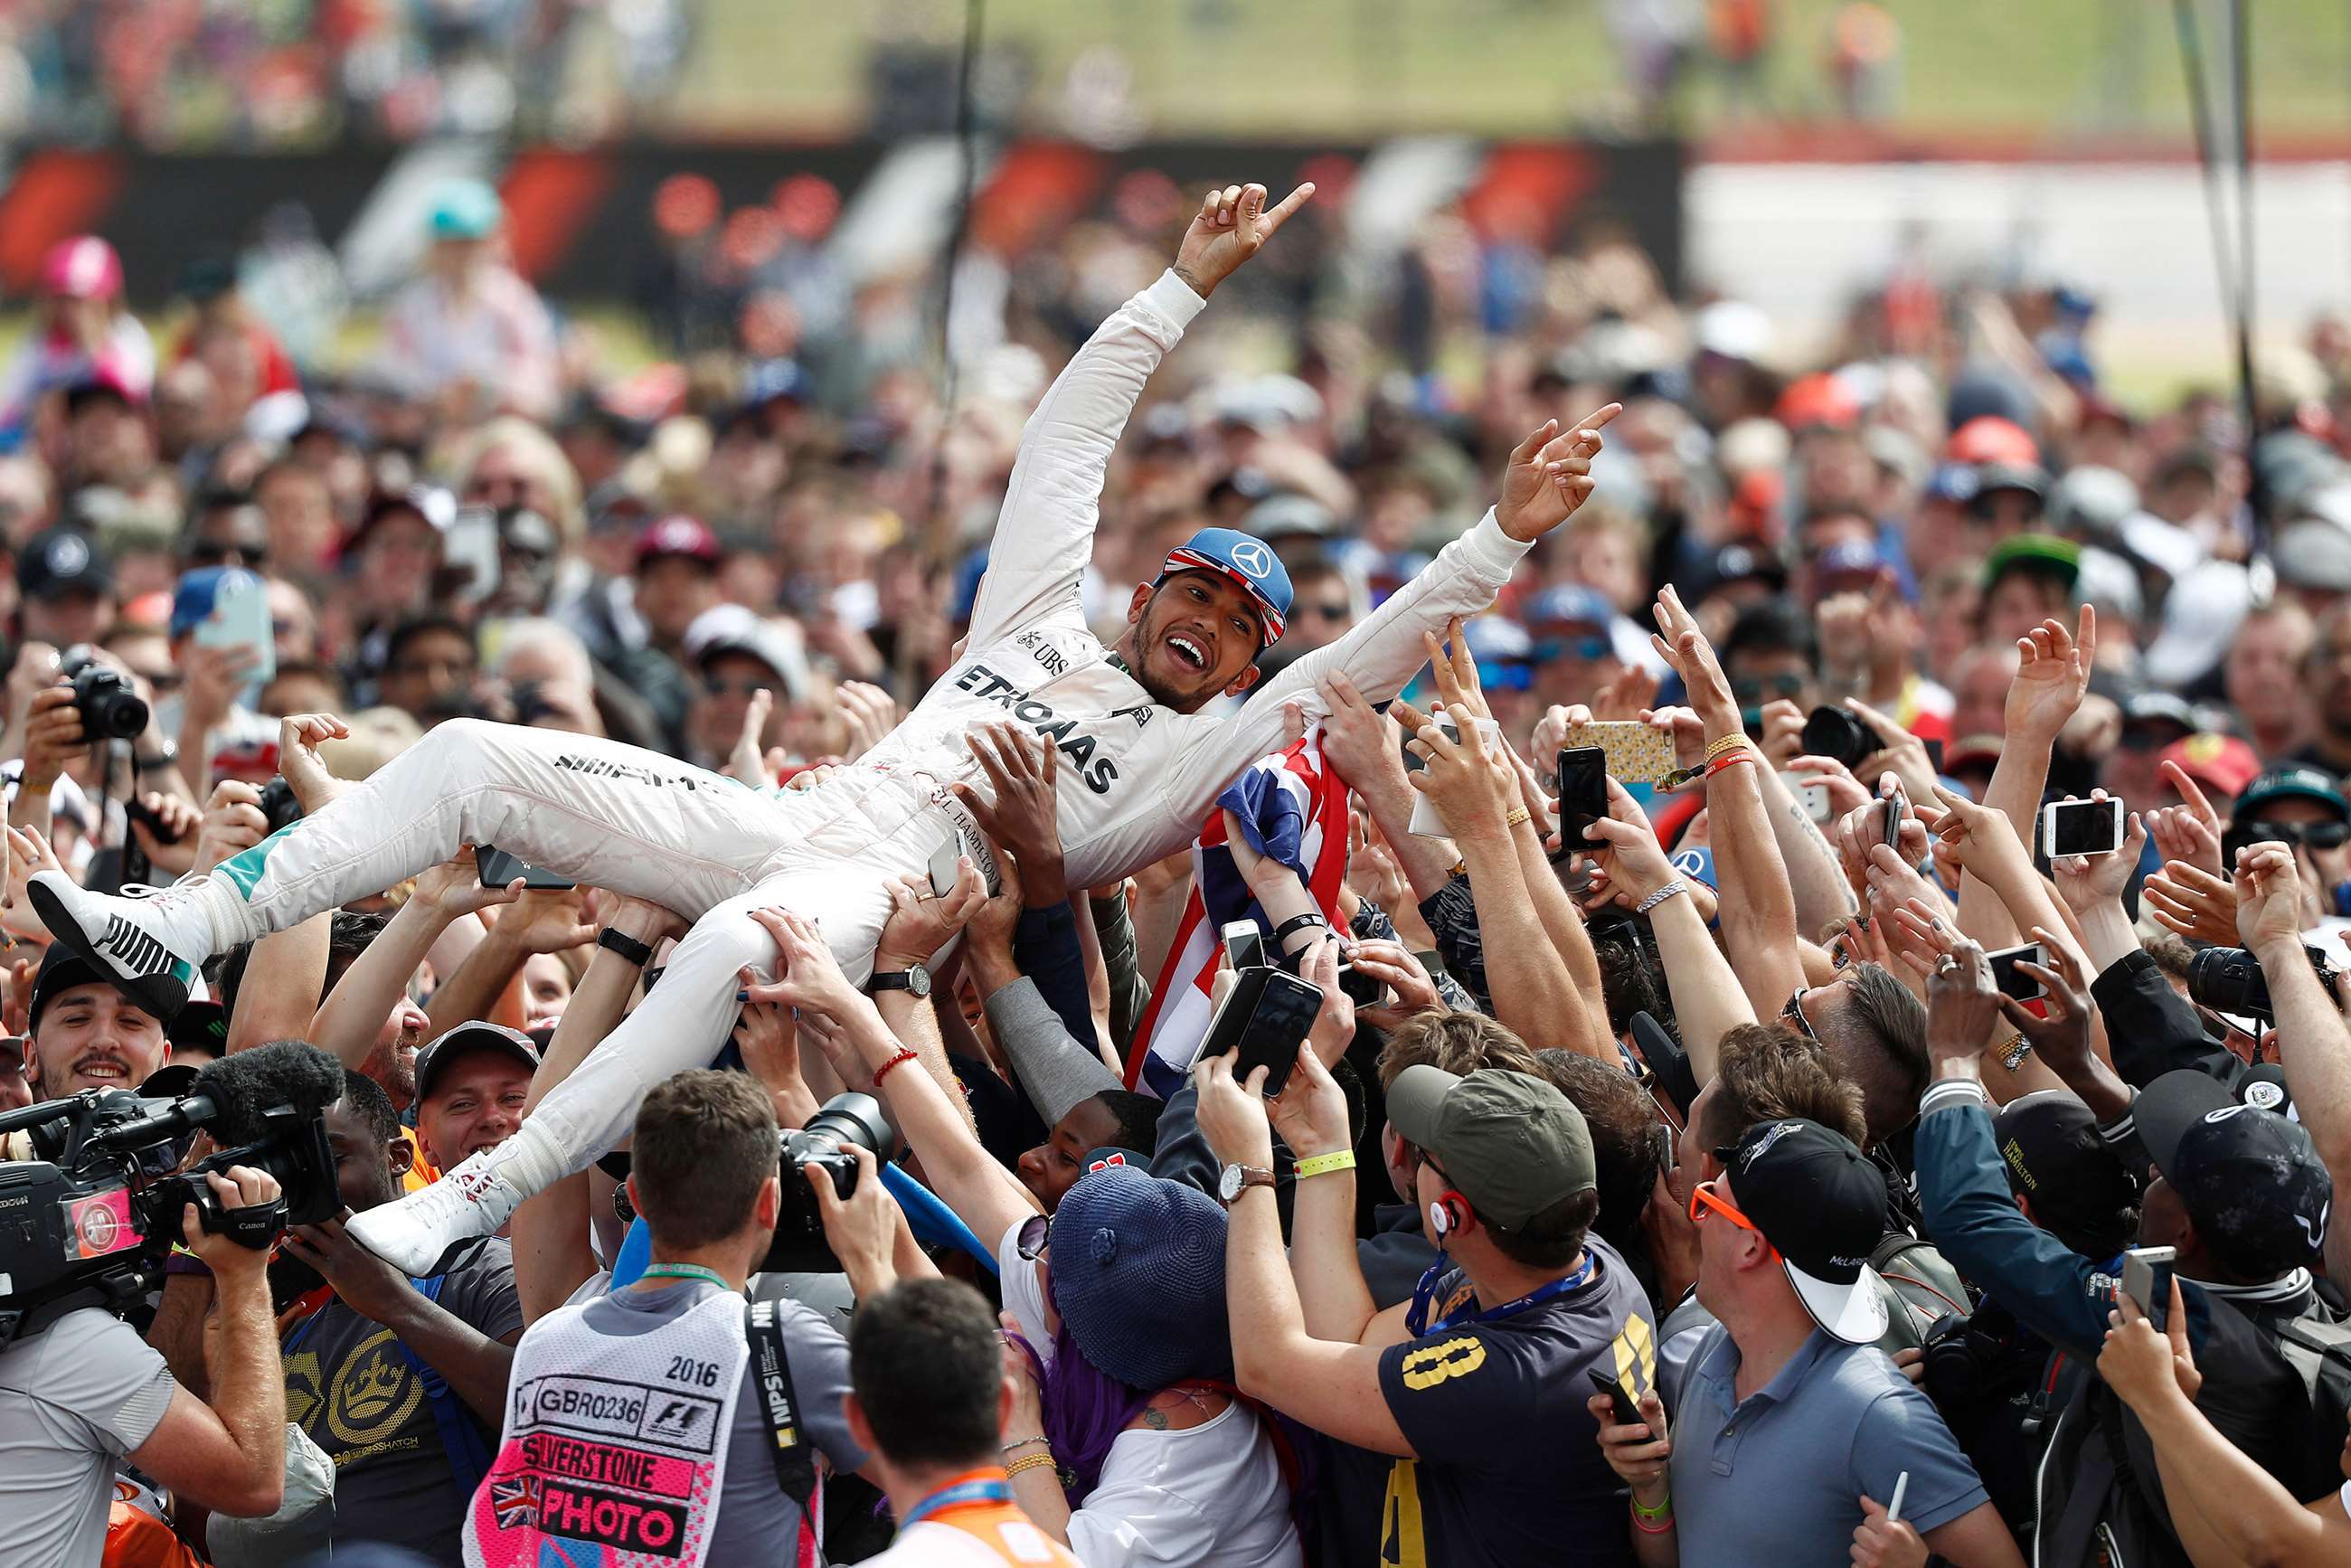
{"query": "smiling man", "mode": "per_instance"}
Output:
(471, 1085)
(1141, 728)
(85, 1034)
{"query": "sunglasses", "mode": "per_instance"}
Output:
(1704, 1199)
(1751, 691)
(2309, 835)
(223, 555)
(1794, 1013)
(718, 687)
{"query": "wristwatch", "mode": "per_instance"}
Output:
(913, 977)
(1238, 1179)
(628, 948)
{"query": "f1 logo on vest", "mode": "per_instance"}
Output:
(1252, 557)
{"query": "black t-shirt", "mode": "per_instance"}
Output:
(1511, 1470)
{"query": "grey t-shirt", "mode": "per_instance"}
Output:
(756, 1522)
(351, 1388)
(73, 1398)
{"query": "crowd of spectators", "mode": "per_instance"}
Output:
(1695, 1185)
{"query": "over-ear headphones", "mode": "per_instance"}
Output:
(1448, 1213)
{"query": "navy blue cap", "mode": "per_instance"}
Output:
(199, 591)
(1139, 1275)
(1248, 561)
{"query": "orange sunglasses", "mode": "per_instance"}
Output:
(1704, 1197)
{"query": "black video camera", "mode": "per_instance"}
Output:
(110, 709)
(842, 1120)
(2230, 980)
(90, 1221)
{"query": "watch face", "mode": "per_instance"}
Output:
(918, 980)
(1228, 1184)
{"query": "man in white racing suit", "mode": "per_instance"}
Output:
(1140, 763)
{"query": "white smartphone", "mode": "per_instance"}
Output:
(1812, 792)
(1426, 821)
(943, 866)
(2081, 828)
(240, 619)
(1244, 944)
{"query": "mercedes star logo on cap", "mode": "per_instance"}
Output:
(1252, 557)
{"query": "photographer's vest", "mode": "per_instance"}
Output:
(615, 1446)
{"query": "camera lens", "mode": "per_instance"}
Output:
(853, 1119)
(1833, 733)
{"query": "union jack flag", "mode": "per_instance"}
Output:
(1294, 807)
(514, 1501)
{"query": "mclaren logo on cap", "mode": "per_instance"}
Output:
(1253, 557)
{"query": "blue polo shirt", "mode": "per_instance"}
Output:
(1779, 1476)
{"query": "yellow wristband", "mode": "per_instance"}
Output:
(1033, 1462)
(1518, 814)
(1728, 743)
(1323, 1164)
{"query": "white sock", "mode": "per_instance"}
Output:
(218, 916)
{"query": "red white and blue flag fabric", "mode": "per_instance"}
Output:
(1294, 807)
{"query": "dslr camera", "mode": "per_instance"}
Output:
(844, 1122)
(2230, 980)
(90, 1221)
(110, 709)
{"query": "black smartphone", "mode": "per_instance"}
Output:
(1244, 944)
(2147, 1279)
(1362, 989)
(1264, 1018)
(1897, 807)
(499, 868)
(1934, 753)
(1583, 792)
(2012, 982)
(1628, 1414)
(1669, 1064)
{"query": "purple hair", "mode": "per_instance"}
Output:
(1085, 1408)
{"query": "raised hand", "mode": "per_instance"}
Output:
(2062, 1037)
(1455, 670)
(2085, 881)
(2051, 676)
(1550, 476)
(1021, 819)
(1681, 644)
(299, 735)
(920, 924)
(2269, 896)
(1962, 1003)
(2195, 903)
(1230, 227)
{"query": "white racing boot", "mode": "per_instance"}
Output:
(149, 948)
(472, 1198)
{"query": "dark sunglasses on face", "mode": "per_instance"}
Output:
(223, 555)
(2307, 835)
(1753, 691)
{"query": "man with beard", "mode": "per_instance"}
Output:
(85, 1034)
(1141, 728)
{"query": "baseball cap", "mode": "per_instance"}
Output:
(2044, 554)
(467, 209)
(1511, 1144)
(199, 591)
(1289, 516)
(59, 562)
(679, 535)
(431, 502)
(478, 1035)
(2222, 762)
(2250, 1178)
(1569, 604)
(1988, 438)
(199, 1026)
(2028, 478)
(2142, 708)
(736, 629)
(774, 380)
(2079, 1191)
(1251, 562)
(61, 970)
(1818, 400)
(1822, 1205)
(82, 268)
(2314, 554)
(2297, 783)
